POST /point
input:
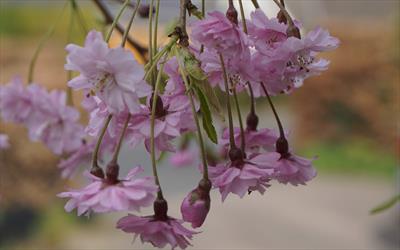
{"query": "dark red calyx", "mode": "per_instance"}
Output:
(112, 172)
(97, 171)
(160, 206)
(293, 31)
(282, 147)
(232, 15)
(203, 189)
(252, 121)
(160, 111)
(236, 155)
(281, 17)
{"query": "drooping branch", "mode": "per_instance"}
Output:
(109, 18)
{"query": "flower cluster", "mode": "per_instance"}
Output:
(266, 54)
(107, 195)
(45, 114)
(268, 60)
(173, 97)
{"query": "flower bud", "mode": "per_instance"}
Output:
(112, 172)
(196, 205)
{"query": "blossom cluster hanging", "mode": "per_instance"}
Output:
(172, 97)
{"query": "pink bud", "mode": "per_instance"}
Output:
(196, 206)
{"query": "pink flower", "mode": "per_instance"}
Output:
(102, 196)
(54, 123)
(294, 170)
(216, 32)
(44, 113)
(78, 158)
(254, 139)
(15, 102)
(175, 85)
(266, 34)
(182, 158)
(173, 117)
(98, 112)
(112, 73)
(196, 205)
(237, 68)
(4, 143)
(157, 232)
(220, 36)
(283, 63)
(242, 175)
(270, 71)
(301, 59)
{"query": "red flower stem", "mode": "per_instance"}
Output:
(281, 131)
(228, 103)
(99, 140)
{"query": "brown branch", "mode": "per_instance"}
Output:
(109, 18)
(183, 39)
(255, 3)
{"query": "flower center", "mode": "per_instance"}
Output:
(100, 81)
(235, 78)
(161, 112)
(303, 60)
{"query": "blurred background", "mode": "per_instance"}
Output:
(348, 117)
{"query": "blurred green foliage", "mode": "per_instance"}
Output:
(32, 21)
(353, 157)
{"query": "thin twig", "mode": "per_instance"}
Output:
(255, 3)
(281, 131)
(228, 103)
(126, 33)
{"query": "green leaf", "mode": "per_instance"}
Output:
(386, 205)
(198, 77)
(211, 96)
(197, 14)
(206, 115)
(192, 65)
(193, 10)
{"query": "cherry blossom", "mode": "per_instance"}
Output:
(294, 169)
(112, 73)
(157, 232)
(240, 175)
(102, 196)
